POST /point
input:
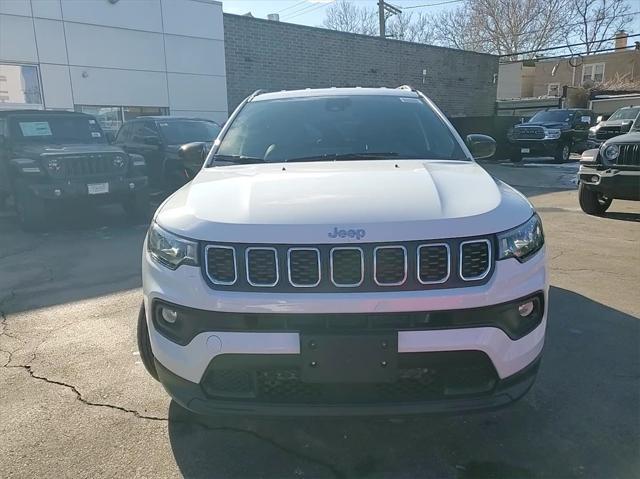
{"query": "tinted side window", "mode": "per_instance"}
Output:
(124, 134)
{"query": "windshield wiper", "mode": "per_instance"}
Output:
(345, 156)
(241, 159)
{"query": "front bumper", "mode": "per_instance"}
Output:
(183, 369)
(119, 188)
(612, 182)
(535, 147)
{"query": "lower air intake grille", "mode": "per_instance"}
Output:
(475, 259)
(221, 264)
(390, 265)
(262, 266)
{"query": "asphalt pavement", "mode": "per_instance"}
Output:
(75, 400)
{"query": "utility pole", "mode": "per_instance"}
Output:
(385, 10)
(381, 18)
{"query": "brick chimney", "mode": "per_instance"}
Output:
(621, 39)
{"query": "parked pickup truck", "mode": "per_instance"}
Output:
(57, 156)
(341, 252)
(617, 124)
(552, 133)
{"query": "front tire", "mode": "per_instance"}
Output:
(564, 152)
(144, 345)
(592, 202)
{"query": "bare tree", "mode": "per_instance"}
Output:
(411, 27)
(596, 21)
(505, 27)
(348, 17)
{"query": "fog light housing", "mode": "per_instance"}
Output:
(594, 179)
(525, 309)
(132, 186)
(57, 192)
(169, 315)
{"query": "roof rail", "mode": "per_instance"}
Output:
(256, 93)
(405, 87)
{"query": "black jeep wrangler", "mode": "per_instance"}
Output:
(53, 156)
(552, 133)
(610, 172)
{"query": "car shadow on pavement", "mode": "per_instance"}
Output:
(581, 419)
(614, 215)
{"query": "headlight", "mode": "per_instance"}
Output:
(611, 152)
(552, 134)
(170, 250)
(54, 165)
(523, 241)
(119, 162)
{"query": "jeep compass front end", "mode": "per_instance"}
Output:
(341, 253)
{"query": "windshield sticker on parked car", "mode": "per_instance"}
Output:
(585, 119)
(35, 128)
(95, 134)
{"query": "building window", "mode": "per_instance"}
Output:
(553, 89)
(111, 118)
(593, 72)
(20, 85)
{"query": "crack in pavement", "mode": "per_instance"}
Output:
(28, 368)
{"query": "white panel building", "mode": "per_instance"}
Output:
(116, 59)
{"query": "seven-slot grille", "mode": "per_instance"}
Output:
(475, 259)
(365, 267)
(96, 164)
(629, 155)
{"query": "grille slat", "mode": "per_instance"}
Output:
(304, 267)
(475, 259)
(433, 263)
(390, 265)
(221, 264)
(347, 267)
(97, 164)
(262, 267)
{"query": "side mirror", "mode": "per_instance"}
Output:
(481, 146)
(193, 153)
(151, 140)
(110, 136)
(599, 119)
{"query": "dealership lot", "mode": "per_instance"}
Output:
(76, 401)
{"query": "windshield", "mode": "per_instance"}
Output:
(558, 116)
(625, 114)
(55, 129)
(338, 127)
(177, 132)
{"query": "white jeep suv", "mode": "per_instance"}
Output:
(341, 252)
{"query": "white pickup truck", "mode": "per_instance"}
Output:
(341, 252)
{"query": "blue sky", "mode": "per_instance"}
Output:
(311, 12)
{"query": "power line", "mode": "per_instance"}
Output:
(315, 7)
(563, 46)
(292, 6)
(568, 55)
(307, 6)
(446, 2)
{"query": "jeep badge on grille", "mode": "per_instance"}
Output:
(351, 233)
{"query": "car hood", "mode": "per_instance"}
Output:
(615, 122)
(34, 151)
(558, 125)
(304, 202)
(633, 137)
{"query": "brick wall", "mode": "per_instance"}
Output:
(278, 56)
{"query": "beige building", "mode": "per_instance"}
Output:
(548, 77)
